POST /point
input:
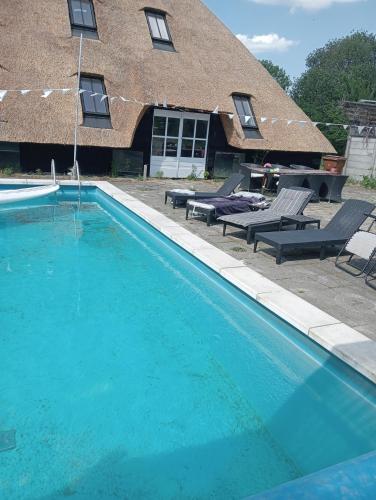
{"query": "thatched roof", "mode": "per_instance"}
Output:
(209, 65)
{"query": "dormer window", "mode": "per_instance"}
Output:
(246, 116)
(159, 31)
(82, 17)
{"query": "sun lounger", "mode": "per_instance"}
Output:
(289, 202)
(343, 225)
(213, 208)
(179, 196)
(363, 245)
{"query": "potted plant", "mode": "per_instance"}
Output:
(333, 163)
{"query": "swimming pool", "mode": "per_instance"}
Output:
(130, 369)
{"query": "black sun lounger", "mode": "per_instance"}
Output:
(226, 189)
(343, 225)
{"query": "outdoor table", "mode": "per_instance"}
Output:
(326, 185)
(300, 220)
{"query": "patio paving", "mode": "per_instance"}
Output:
(319, 282)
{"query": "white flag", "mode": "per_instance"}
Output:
(81, 91)
(274, 120)
(315, 124)
(263, 119)
(215, 112)
(65, 91)
(104, 97)
(289, 122)
(46, 93)
(165, 102)
(113, 99)
(247, 118)
(93, 95)
(3, 93)
(231, 116)
(24, 92)
(345, 127)
(156, 104)
(124, 99)
(360, 129)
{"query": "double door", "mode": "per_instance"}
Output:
(179, 144)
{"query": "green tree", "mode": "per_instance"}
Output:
(278, 74)
(343, 70)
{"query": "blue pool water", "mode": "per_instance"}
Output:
(129, 370)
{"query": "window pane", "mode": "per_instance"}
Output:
(162, 28)
(93, 104)
(187, 148)
(172, 147)
(154, 26)
(76, 11)
(159, 127)
(200, 147)
(158, 146)
(88, 13)
(201, 129)
(189, 128)
(173, 127)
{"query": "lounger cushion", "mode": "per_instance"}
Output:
(296, 238)
(362, 244)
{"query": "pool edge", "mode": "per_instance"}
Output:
(344, 342)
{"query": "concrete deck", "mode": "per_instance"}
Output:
(318, 282)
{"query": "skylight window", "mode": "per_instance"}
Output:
(95, 103)
(246, 116)
(159, 31)
(82, 17)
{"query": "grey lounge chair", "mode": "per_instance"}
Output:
(289, 202)
(343, 225)
(226, 189)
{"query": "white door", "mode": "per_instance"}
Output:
(179, 143)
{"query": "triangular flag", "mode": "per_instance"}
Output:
(263, 119)
(302, 123)
(81, 91)
(329, 124)
(165, 102)
(274, 120)
(93, 95)
(65, 91)
(24, 92)
(247, 118)
(104, 97)
(315, 124)
(215, 112)
(231, 116)
(3, 93)
(345, 127)
(361, 128)
(124, 99)
(113, 99)
(289, 122)
(46, 93)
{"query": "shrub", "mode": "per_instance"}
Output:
(369, 182)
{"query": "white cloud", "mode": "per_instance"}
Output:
(305, 4)
(266, 43)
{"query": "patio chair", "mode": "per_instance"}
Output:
(181, 196)
(362, 244)
(340, 229)
(289, 202)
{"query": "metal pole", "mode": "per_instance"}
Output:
(77, 106)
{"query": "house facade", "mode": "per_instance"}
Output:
(184, 94)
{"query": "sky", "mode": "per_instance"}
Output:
(286, 31)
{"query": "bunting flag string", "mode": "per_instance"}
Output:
(45, 93)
